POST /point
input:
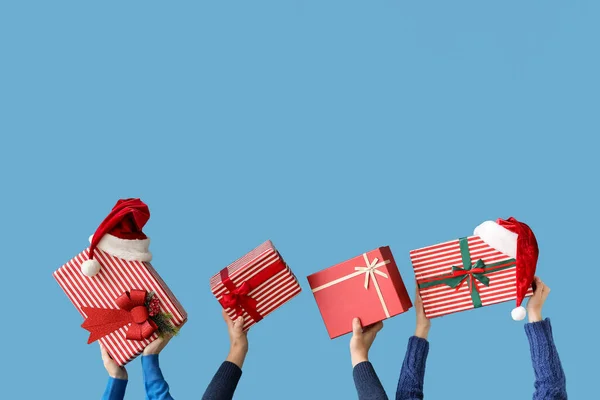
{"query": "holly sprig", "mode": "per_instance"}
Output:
(161, 319)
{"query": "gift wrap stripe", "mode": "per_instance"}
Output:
(115, 277)
(438, 260)
(270, 295)
(251, 257)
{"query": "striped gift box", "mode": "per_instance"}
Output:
(271, 294)
(435, 262)
(116, 277)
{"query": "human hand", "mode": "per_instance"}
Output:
(423, 323)
(536, 302)
(238, 340)
(157, 346)
(362, 339)
(114, 370)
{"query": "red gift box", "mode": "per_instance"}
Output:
(463, 274)
(114, 288)
(255, 285)
(368, 286)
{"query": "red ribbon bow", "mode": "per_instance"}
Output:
(239, 295)
(132, 312)
(238, 298)
(468, 274)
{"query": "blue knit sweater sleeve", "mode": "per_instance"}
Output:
(367, 382)
(154, 382)
(550, 381)
(410, 384)
(223, 384)
(115, 389)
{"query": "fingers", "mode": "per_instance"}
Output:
(541, 289)
(357, 329)
(104, 353)
(418, 300)
(238, 324)
(227, 319)
(376, 327)
(373, 329)
(546, 292)
(162, 341)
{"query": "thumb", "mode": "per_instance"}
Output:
(357, 329)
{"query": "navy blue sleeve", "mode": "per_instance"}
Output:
(115, 389)
(550, 381)
(412, 375)
(367, 382)
(154, 382)
(223, 384)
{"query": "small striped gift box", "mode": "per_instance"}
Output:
(463, 274)
(116, 277)
(255, 285)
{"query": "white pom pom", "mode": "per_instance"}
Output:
(519, 313)
(90, 267)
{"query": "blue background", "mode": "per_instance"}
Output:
(329, 127)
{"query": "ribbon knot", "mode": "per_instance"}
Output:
(238, 296)
(371, 269)
(468, 273)
(132, 313)
(371, 272)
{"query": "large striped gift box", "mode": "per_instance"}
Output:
(116, 277)
(463, 274)
(255, 285)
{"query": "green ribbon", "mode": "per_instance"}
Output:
(469, 272)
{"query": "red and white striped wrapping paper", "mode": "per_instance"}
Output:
(436, 260)
(272, 294)
(115, 277)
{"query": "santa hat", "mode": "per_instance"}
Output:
(515, 239)
(120, 235)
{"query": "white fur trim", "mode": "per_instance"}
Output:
(498, 237)
(130, 250)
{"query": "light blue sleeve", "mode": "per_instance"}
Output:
(154, 382)
(115, 389)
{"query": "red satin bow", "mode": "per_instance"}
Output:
(238, 298)
(468, 274)
(132, 312)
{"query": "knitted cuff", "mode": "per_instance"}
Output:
(151, 368)
(416, 352)
(364, 371)
(229, 371)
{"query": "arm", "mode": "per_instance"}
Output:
(550, 381)
(154, 382)
(117, 380)
(223, 384)
(410, 384)
(367, 383)
(115, 389)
